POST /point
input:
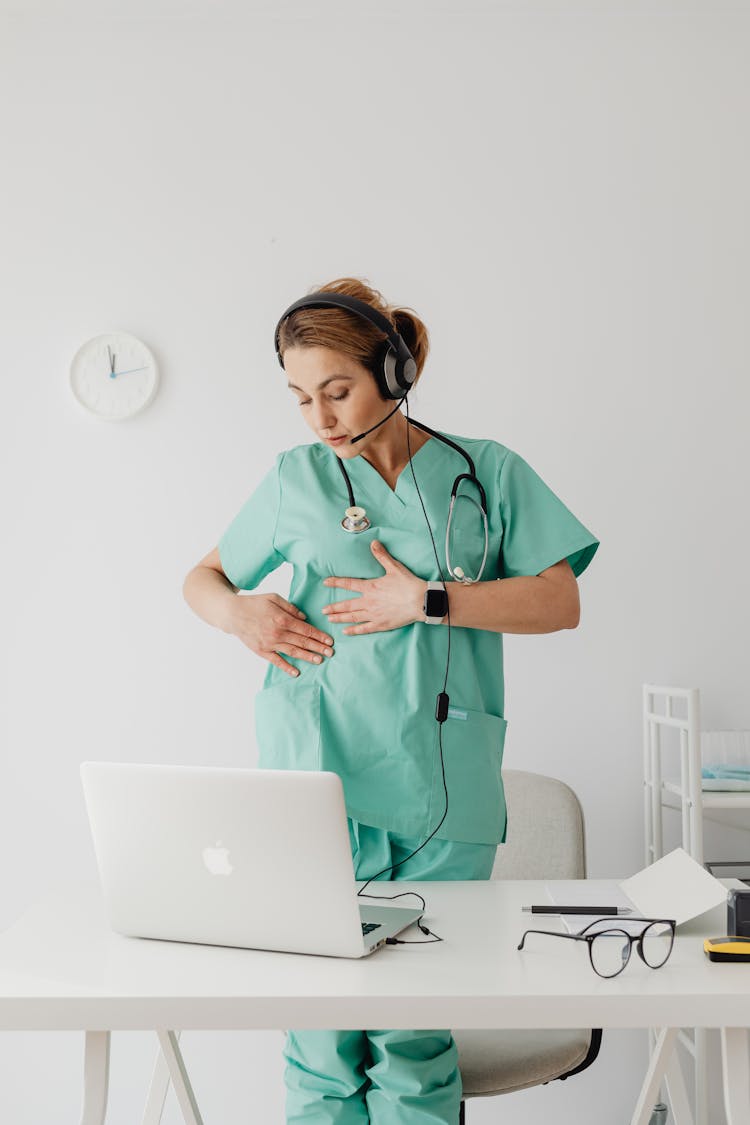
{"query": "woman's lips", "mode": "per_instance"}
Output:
(336, 440)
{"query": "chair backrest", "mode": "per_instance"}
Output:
(546, 836)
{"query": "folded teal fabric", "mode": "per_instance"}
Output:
(735, 773)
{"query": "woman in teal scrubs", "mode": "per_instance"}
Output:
(355, 669)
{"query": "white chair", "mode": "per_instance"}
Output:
(545, 841)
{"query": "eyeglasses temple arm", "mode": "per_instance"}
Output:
(549, 933)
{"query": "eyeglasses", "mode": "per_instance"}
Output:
(610, 948)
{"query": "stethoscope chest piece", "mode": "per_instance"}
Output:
(355, 520)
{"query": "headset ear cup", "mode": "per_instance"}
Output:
(380, 369)
(399, 373)
(390, 368)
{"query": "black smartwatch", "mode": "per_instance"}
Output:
(435, 604)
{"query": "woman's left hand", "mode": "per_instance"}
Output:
(385, 603)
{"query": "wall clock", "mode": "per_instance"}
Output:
(114, 376)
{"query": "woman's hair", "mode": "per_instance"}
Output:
(345, 332)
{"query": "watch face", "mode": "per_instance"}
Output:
(114, 376)
(436, 603)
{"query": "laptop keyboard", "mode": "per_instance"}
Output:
(368, 927)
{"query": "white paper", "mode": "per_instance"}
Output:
(675, 886)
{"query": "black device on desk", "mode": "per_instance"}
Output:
(738, 913)
(735, 944)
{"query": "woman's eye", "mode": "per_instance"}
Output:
(336, 398)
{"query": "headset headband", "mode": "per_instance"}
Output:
(321, 299)
(353, 304)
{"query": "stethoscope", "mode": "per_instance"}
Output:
(355, 518)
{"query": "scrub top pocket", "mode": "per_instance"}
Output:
(287, 726)
(473, 744)
(466, 549)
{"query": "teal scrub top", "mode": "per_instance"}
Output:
(368, 712)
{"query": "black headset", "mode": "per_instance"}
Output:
(394, 368)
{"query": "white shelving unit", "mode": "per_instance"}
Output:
(683, 792)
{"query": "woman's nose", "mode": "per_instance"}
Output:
(322, 419)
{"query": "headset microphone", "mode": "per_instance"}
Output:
(378, 424)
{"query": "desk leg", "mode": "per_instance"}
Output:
(735, 1071)
(180, 1081)
(157, 1094)
(675, 1083)
(95, 1077)
(700, 1054)
(665, 1042)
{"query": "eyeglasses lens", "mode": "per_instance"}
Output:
(610, 951)
(656, 944)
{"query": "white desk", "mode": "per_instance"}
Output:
(62, 968)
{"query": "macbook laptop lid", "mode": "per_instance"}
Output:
(259, 859)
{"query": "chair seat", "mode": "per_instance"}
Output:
(498, 1062)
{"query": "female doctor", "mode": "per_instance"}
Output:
(412, 552)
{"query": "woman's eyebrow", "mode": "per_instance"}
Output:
(330, 379)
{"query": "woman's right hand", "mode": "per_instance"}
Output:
(269, 625)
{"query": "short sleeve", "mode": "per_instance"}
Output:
(538, 529)
(246, 548)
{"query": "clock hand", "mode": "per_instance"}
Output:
(114, 373)
(111, 360)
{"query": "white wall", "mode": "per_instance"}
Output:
(560, 191)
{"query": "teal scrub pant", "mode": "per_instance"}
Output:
(388, 1077)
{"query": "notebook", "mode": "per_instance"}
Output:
(258, 859)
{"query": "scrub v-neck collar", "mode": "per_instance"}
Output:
(371, 480)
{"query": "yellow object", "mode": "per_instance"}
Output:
(731, 947)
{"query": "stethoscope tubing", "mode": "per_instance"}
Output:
(358, 522)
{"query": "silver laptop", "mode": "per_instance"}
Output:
(259, 859)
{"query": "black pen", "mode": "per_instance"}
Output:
(577, 909)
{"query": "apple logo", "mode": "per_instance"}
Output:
(216, 859)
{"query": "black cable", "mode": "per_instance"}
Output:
(407, 941)
(442, 708)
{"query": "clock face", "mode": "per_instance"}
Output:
(114, 376)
